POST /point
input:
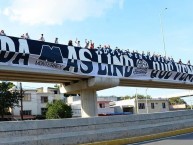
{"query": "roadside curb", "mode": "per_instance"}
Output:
(142, 138)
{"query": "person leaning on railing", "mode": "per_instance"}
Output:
(70, 43)
(2, 33)
(42, 38)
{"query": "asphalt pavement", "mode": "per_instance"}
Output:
(185, 139)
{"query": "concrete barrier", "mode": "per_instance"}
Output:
(95, 129)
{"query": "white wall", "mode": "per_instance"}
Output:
(157, 105)
(118, 105)
(75, 103)
(35, 104)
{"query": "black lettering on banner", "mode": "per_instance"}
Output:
(177, 75)
(109, 70)
(6, 59)
(128, 61)
(156, 65)
(154, 73)
(7, 44)
(48, 64)
(182, 77)
(161, 74)
(102, 71)
(168, 75)
(117, 68)
(25, 58)
(128, 73)
(51, 54)
(71, 63)
(189, 76)
(89, 67)
(185, 69)
(89, 62)
(179, 68)
(85, 56)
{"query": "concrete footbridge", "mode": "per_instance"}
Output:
(85, 71)
(180, 95)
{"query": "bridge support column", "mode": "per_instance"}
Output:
(88, 103)
(87, 89)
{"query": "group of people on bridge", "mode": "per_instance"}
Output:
(106, 49)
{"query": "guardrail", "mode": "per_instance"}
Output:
(95, 129)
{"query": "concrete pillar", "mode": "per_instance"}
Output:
(88, 103)
(87, 89)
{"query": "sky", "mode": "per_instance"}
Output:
(128, 24)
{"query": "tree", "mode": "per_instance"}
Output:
(176, 101)
(57, 86)
(125, 97)
(58, 109)
(139, 96)
(8, 98)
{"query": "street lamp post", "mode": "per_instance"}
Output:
(137, 111)
(162, 30)
(147, 102)
(190, 101)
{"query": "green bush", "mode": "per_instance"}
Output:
(58, 109)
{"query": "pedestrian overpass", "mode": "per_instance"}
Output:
(85, 71)
(187, 93)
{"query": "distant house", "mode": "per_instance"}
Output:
(140, 106)
(35, 100)
(102, 105)
(178, 107)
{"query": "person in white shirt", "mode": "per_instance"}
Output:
(22, 36)
(42, 37)
(2, 32)
(86, 44)
(27, 36)
(77, 43)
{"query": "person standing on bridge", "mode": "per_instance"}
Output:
(91, 45)
(180, 61)
(87, 44)
(188, 62)
(70, 43)
(2, 33)
(22, 36)
(42, 37)
(27, 36)
(77, 42)
(56, 40)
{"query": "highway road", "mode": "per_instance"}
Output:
(186, 139)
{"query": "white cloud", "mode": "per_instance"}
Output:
(57, 11)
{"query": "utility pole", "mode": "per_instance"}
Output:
(162, 30)
(147, 103)
(137, 111)
(21, 99)
(190, 100)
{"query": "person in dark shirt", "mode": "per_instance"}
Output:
(56, 40)
(2, 33)
(180, 61)
(22, 36)
(70, 43)
(188, 63)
